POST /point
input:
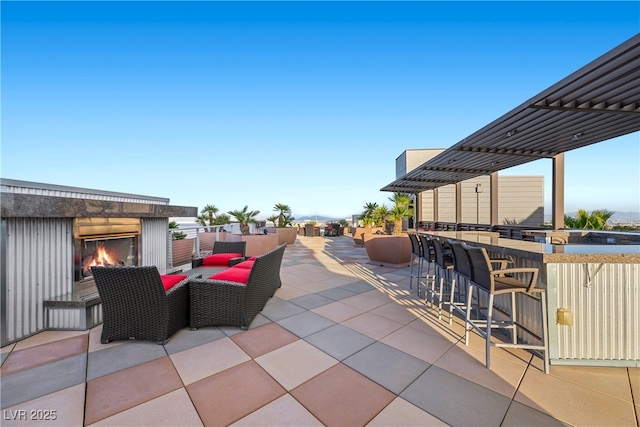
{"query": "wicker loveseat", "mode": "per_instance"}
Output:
(138, 303)
(235, 296)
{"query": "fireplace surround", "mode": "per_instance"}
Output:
(103, 241)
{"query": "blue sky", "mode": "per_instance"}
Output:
(302, 103)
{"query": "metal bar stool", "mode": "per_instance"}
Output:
(460, 280)
(428, 257)
(443, 266)
(497, 282)
(416, 260)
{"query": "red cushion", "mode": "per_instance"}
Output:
(253, 258)
(220, 259)
(233, 274)
(170, 280)
(245, 264)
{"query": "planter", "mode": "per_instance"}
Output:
(285, 234)
(357, 233)
(388, 251)
(257, 244)
(181, 251)
(208, 239)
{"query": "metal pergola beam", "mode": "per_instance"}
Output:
(598, 102)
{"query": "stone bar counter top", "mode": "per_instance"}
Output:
(545, 252)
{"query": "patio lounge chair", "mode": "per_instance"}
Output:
(228, 300)
(138, 303)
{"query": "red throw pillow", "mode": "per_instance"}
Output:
(233, 274)
(219, 259)
(244, 264)
(170, 280)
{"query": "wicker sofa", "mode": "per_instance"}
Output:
(235, 296)
(139, 303)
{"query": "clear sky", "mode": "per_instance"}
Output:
(302, 103)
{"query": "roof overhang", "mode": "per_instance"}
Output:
(598, 102)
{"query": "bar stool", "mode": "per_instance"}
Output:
(459, 280)
(444, 266)
(416, 258)
(428, 257)
(497, 282)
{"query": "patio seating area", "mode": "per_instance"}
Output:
(342, 342)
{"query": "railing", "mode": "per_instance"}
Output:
(506, 231)
(199, 241)
(515, 231)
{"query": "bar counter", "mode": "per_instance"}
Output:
(546, 252)
(592, 291)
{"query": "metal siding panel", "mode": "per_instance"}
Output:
(38, 266)
(95, 316)
(65, 319)
(155, 233)
(606, 309)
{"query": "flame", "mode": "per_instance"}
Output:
(102, 257)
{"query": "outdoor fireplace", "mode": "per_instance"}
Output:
(104, 241)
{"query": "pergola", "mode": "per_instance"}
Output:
(598, 102)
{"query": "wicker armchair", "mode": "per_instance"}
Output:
(223, 248)
(225, 303)
(136, 306)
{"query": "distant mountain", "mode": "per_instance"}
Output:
(319, 218)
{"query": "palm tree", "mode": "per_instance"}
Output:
(367, 214)
(222, 219)
(400, 199)
(244, 217)
(397, 214)
(284, 216)
(596, 220)
(202, 219)
(399, 211)
(380, 215)
(210, 210)
(274, 219)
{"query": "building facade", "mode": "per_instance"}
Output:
(520, 198)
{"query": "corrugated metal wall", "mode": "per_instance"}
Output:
(154, 249)
(38, 265)
(74, 319)
(605, 302)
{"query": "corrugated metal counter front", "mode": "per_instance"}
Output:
(595, 286)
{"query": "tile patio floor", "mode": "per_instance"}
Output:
(342, 343)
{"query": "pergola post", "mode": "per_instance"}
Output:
(458, 203)
(557, 203)
(493, 202)
(435, 205)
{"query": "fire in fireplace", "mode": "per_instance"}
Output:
(104, 241)
(109, 251)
